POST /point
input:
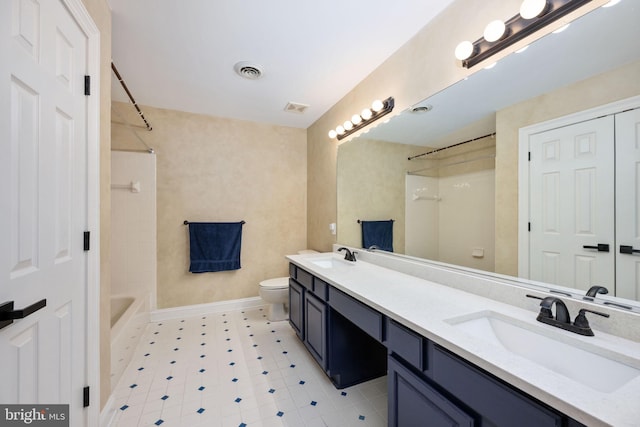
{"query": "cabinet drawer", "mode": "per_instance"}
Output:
(407, 344)
(304, 278)
(320, 288)
(366, 318)
(493, 400)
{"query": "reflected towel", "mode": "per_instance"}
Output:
(378, 233)
(214, 246)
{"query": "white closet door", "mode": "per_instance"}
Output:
(628, 204)
(571, 178)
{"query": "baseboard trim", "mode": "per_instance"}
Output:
(200, 309)
(108, 413)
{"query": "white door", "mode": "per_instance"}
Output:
(43, 197)
(571, 195)
(628, 204)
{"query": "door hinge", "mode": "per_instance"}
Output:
(529, 226)
(87, 85)
(86, 397)
(529, 155)
(87, 240)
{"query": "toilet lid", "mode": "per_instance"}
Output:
(277, 283)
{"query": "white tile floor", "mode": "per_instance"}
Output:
(236, 369)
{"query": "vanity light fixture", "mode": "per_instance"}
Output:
(367, 116)
(498, 35)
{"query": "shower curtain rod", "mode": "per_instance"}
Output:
(475, 159)
(450, 146)
(133, 101)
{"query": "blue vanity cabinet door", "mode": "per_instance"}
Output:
(315, 328)
(414, 403)
(296, 307)
(491, 399)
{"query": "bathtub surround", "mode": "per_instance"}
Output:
(218, 169)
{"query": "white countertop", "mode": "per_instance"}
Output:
(424, 307)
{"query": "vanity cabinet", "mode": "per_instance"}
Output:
(422, 373)
(315, 328)
(296, 307)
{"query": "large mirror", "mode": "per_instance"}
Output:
(458, 204)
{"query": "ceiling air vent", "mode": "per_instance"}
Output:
(294, 107)
(248, 70)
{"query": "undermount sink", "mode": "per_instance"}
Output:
(331, 262)
(592, 366)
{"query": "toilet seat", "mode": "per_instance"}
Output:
(277, 283)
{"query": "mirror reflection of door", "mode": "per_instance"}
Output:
(582, 193)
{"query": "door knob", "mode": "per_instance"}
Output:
(8, 314)
(624, 249)
(602, 247)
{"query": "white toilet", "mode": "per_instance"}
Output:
(276, 293)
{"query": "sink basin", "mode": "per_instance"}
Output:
(592, 366)
(331, 262)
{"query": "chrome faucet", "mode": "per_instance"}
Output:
(562, 319)
(594, 290)
(348, 256)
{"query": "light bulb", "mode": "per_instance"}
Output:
(464, 50)
(532, 8)
(611, 3)
(332, 134)
(348, 125)
(490, 66)
(356, 119)
(494, 30)
(340, 130)
(366, 114)
(377, 105)
(523, 49)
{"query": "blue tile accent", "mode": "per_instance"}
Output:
(301, 383)
(147, 354)
(202, 370)
(271, 391)
(179, 338)
(165, 397)
(232, 363)
(277, 340)
(361, 417)
(242, 425)
(159, 422)
(140, 368)
(238, 400)
(152, 342)
(176, 349)
(259, 357)
(173, 362)
(202, 356)
(255, 345)
(204, 333)
(133, 386)
(180, 329)
(204, 343)
(265, 372)
(229, 351)
(169, 378)
(280, 413)
(314, 403)
(292, 366)
(344, 393)
(201, 410)
(285, 352)
(201, 388)
(235, 380)
(124, 407)
(182, 321)
(156, 333)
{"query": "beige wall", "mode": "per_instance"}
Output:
(217, 169)
(101, 15)
(605, 88)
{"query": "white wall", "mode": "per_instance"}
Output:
(421, 216)
(133, 228)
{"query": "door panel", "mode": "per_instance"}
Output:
(628, 203)
(571, 195)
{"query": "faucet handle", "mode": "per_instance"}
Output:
(581, 319)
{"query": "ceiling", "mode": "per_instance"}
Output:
(180, 55)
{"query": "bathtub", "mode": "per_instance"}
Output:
(129, 317)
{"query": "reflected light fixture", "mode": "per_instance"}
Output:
(498, 35)
(367, 116)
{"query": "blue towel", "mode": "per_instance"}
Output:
(214, 246)
(378, 233)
